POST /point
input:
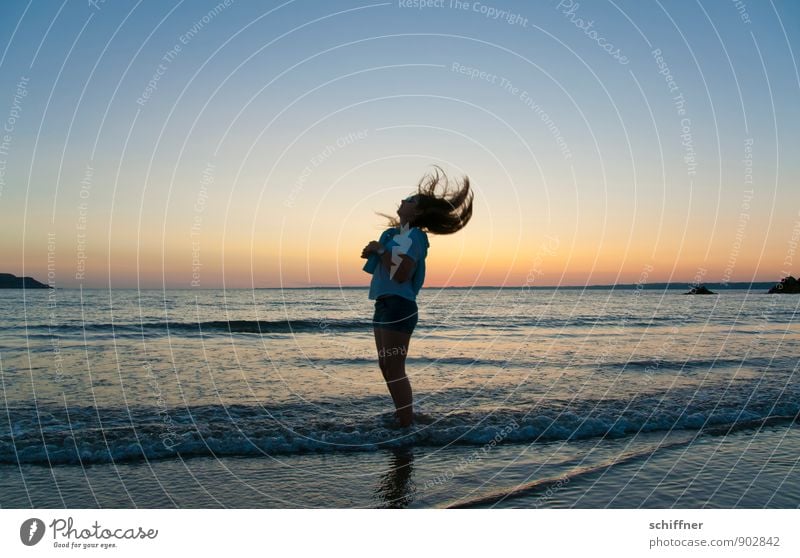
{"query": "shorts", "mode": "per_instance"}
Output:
(396, 313)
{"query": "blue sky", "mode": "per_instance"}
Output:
(559, 138)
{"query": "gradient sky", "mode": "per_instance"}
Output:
(277, 131)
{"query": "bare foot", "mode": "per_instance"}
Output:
(404, 418)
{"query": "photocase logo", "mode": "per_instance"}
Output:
(32, 531)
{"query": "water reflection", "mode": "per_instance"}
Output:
(395, 488)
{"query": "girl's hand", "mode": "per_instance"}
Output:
(373, 246)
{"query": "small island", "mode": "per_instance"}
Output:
(9, 281)
(788, 285)
(702, 289)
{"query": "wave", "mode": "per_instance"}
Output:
(214, 326)
(421, 360)
(542, 486)
(580, 324)
(89, 435)
(524, 360)
(637, 365)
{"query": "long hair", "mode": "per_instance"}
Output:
(443, 213)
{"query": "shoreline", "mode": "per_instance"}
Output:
(749, 468)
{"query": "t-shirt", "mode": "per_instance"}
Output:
(415, 245)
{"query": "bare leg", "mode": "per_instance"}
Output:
(393, 348)
(384, 366)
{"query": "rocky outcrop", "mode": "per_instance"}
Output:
(788, 285)
(700, 290)
(9, 281)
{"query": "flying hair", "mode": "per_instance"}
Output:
(444, 212)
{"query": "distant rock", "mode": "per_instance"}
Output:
(9, 281)
(700, 290)
(788, 285)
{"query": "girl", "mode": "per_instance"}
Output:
(397, 264)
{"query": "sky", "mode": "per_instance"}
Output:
(224, 143)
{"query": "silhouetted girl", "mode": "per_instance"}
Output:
(397, 264)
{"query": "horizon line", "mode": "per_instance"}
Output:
(673, 284)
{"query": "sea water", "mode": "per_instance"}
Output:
(287, 380)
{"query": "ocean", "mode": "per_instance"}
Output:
(524, 398)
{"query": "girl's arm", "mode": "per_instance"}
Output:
(403, 271)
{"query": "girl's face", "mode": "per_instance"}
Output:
(408, 209)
